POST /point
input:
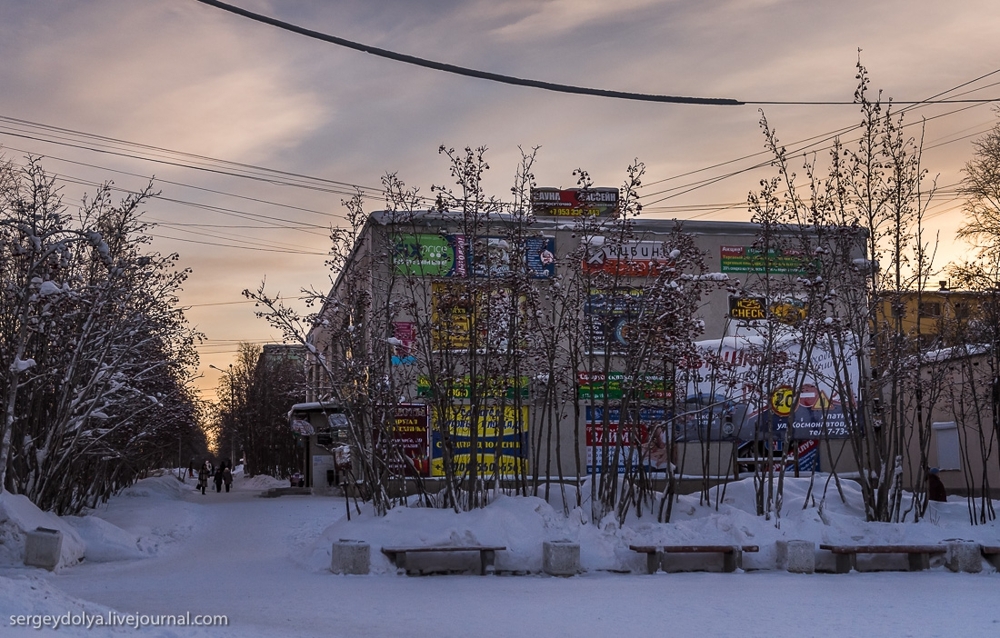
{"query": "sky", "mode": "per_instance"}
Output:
(255, 135)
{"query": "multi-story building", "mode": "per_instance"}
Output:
(571, 336)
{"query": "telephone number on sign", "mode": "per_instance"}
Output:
(832, 432)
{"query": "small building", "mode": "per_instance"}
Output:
(322, 429)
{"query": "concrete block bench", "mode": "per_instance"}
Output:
(918, 556)
(992, 555)
(487, 554)
(732, 555)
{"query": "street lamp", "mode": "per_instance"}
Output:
(232, 414)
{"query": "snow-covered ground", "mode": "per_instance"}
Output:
(163, 548)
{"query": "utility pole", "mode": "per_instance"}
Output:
(232, 414)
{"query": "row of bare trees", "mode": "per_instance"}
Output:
(95, 355)
(517, 365)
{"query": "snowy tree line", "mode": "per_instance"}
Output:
(95, 354)
(250, 419)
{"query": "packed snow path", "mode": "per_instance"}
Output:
(244, 556)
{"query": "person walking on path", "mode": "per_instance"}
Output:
(218, 476)
(227, 476)
(203, 477)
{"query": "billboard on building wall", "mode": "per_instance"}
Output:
(404, 349)
(614, 385)
(410, 438)
(429, 255)
(750, 259)
(628, 258)
(460, 312)
(492, 387)
(610, 316)
(645, 431)
(724, 398)
(503, 429)
(491, 257)
(574, 202)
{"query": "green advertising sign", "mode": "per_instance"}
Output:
(748, 259)
(598, 386)
(427, 255)
(492, 388)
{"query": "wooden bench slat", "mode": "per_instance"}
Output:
(731, 554)
(487, 554)
(446, 548)
(917, 556)
(885, 549)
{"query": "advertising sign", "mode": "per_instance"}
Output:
(451, 315)
(490, 388)
(504, 429)
(748, 259)
(427, 255)
(632, 437)
(491, 257)
(610, 315)
(458, 309)
(750, 312)
(409, 436)
(574, 202)
(403, 351)
(614, 385)
(748, 308)
(723, 399)
(628, 259)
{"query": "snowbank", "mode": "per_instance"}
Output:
(18, 516)
(523, 524)
(99, 536)
(259, 482)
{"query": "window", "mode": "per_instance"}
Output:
(930, 309)
(948, 453)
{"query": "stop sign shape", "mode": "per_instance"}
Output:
(808, 396)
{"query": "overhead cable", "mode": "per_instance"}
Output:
(536, 84)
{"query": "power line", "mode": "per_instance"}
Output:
(195, 162)
(536, 84)
(473, 73)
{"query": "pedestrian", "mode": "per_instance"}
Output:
(935, 488)
(191, 468)
(218, 477)
(227, 477)
(203, 477)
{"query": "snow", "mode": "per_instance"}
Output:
(18, 515)
(161, 547)
(49, 288)
(20, 365)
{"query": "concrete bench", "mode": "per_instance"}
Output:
(918, 556)
(992, 554)
(487, 554)
(732, 555)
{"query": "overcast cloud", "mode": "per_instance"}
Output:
(187, 77)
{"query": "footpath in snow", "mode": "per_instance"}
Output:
(161, 548)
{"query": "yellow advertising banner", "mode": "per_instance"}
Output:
(506, 433)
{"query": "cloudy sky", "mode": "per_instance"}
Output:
(256, 135)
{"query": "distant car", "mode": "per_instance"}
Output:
(298, 480)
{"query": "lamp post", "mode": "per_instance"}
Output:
(232, 414)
